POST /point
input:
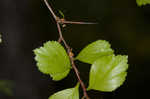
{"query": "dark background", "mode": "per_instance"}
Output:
(27, 24)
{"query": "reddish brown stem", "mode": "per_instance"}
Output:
(69, 50)
(50, 9)
(72, 62)
(78, 76)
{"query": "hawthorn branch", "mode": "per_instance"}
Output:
(60, 22)
(69, 51)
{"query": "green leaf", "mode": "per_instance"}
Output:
(52, 59)
(94, 51)
(142, 2)
(108, 73)
(71, 93)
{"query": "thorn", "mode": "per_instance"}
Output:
(73, 22)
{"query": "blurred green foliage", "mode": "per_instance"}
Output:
(142, 2)
(0, 38)
(6, 87)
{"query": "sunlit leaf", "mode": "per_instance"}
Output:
(108, 73)
(94, 51)
(52, 59)
(142, 2)
(71, 93)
